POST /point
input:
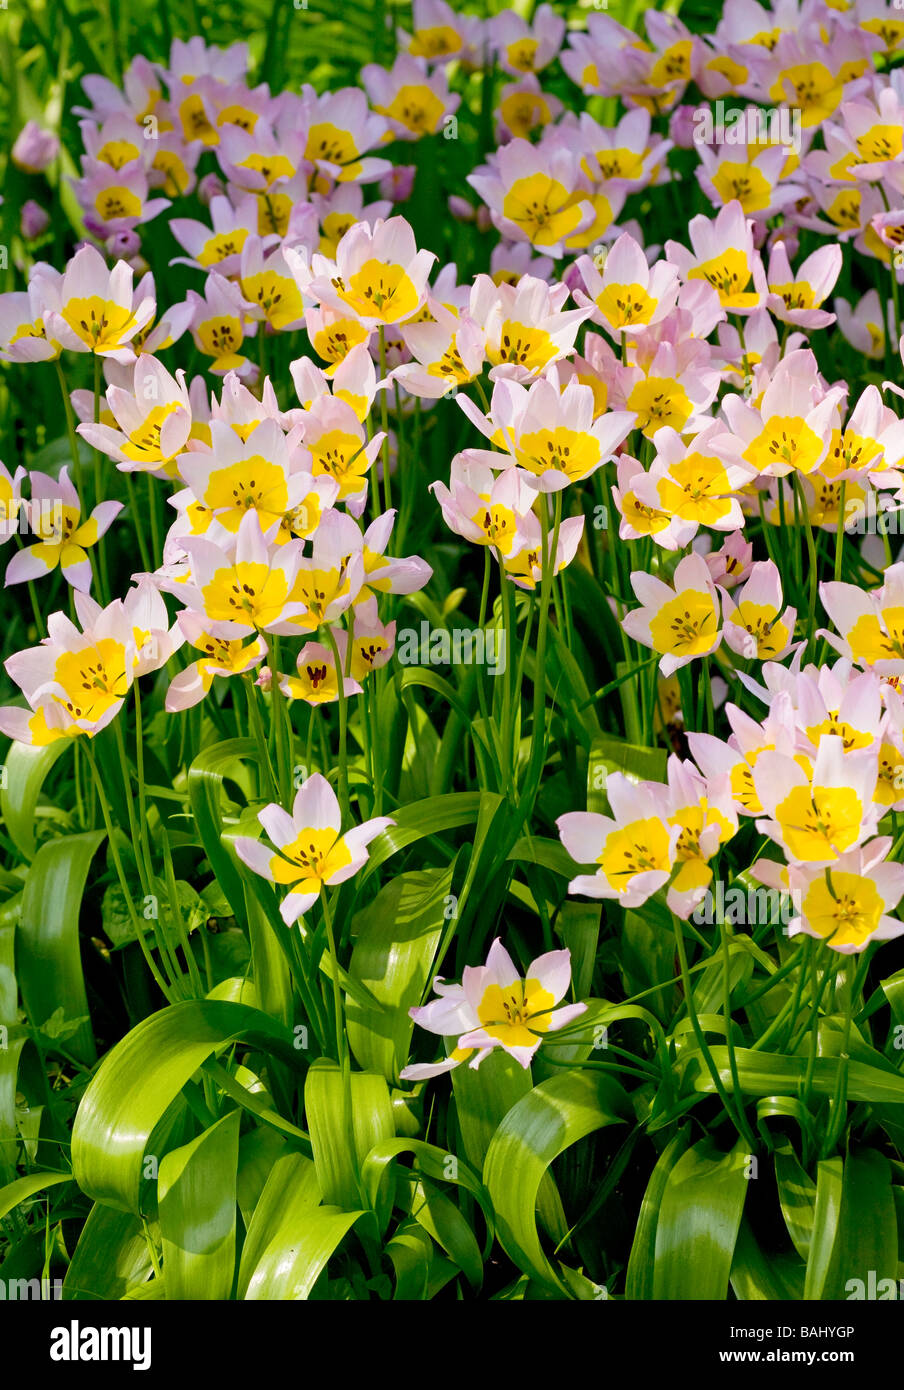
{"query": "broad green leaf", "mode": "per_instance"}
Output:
(431, 1160)
(111, 1256)
(140, 1078)
(48, 955)
(412, 1253)
(290, 1193)
(699, 1217)
(542, 1125)
(196, 1211)
(27, 768)
(259, 1150)
(609, 754)
(442, 1220)
(867, 1241)
(764, 1074)
(642, 1260)
(419, 820)
(338, 1149)
(826, 1217)
(269, 966)
(19, 1191)
(757, 1276)
(797, 1198)
(205, 789)
(291, 1264)
(579, 924)
(483, 1097)
(397, 937)
(548, 854)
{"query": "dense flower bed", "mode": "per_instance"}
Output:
(455, 637)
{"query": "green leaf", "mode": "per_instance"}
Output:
(138, 1081)
(642, 1260)
(205, 790)
(19, 1191)
(397, 938)
(483, 1098)
(797, 1197)
(196, 1211)
(867, 1241)
(338, 1153)
(419, 820)
(269, 967)
(826, 1215)
(699, 1217)
(762, 1074)
(111, 1256)
(637, 763)
(27, 768)
(548, 854)
(289, 1195)
(541, 1126)
(436, 1163)
(579, 924)
(756, 1276)
(442, 1220)
(291, 1264)
(48, 955)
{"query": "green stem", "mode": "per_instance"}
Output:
(343, 724)
(739, 1124)
(838, 1111)
(265, 766)
(384, 424)
(130, 806)
(123, 881)
(147, 563)
(811, 556)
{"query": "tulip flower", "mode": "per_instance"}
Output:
(634, 848)
(847, 905)
(414, 101)
(97, 310)
(494, 1006)
(755, 626)
(680, 623)
(309, 851)
(54, 514)
(723, 255)
(379, 274)
(817, 816)
(627, 295)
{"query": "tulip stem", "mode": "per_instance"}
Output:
(146, 561)
(99, 490)
(740, 1124)
(77, 478)
(343, 724)
(279, 713)
(811, 554)
(156, 549)
(384, 422)
(123, 881)
(838, 1112)
(254, 719)
(139, 771)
